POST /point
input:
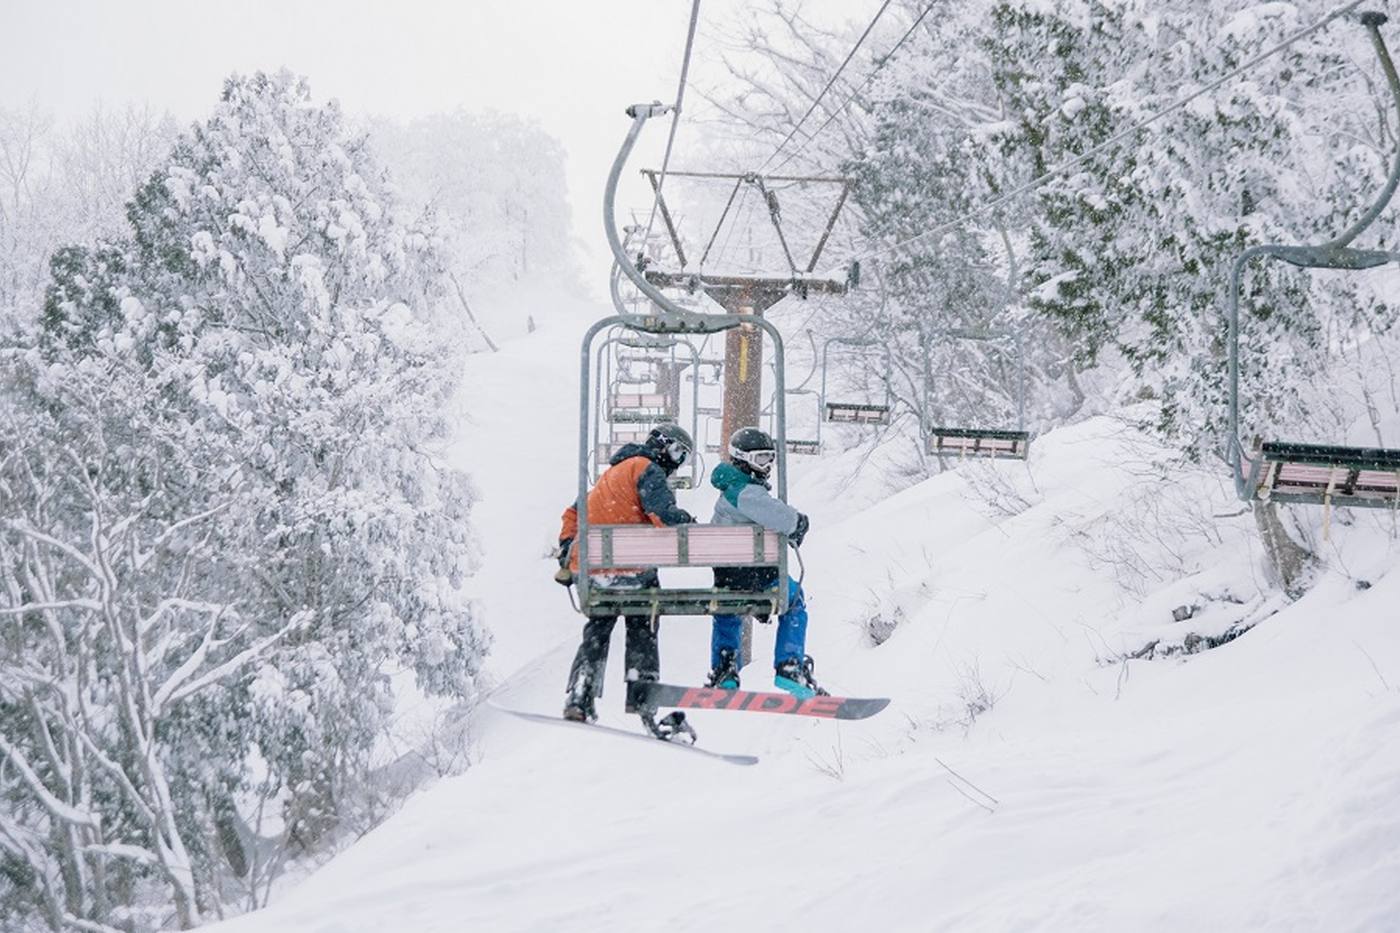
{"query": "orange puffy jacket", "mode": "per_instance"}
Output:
(632, 491)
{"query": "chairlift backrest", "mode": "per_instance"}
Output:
(975, 442)
(622, 549)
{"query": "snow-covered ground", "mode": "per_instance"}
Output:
(1026, 776)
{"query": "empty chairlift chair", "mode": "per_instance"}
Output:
(640, 408)
(991, 443)
(1320, 474)
(856, 412)
(605, 450)
(628, 414)
(807, 447)
(707, 372)
(796, 445)
(851, 412)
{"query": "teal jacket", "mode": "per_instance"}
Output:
(744, 500)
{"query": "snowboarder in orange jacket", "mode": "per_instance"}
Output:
(632, 491)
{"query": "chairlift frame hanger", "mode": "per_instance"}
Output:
(759, 290)
(1365, 477)
(794, 445)
(804, 446)
(770, 200)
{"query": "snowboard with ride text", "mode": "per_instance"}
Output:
(751, 701)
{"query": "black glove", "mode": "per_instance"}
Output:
(564, 545)
(800, 531)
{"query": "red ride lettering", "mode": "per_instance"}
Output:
(737, 700)
(772, 703)
(701, 698)
(821, 706)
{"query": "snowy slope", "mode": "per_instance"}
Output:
(1025, 775)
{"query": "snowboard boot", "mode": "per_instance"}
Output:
(670, 728)
(795, 676)
(578, 707)
(726, 673)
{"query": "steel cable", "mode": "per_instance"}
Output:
(675, 117)
(829, 85)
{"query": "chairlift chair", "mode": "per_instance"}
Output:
(640, 408)
(638, 412)
(1286, 471)
(616, 548)
(856, 412)
(806, 446)
(990, 443)
(861, 413)
(611, 549)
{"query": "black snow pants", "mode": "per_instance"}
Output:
(591, 660)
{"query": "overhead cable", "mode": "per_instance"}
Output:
(829, 84)
(860, 88)
(675, 117)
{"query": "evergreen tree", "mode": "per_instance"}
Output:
(228, 508)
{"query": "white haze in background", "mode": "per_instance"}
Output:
(572, 66)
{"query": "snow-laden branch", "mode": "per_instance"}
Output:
(35, 534)
(174, 603)
(88, 605)
(57, 808)
(175, 689)
(88, 926)
(122, 850)
(144, 557)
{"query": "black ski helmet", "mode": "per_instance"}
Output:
(672, 444)
(753, 451)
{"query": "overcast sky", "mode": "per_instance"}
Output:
(571, 64)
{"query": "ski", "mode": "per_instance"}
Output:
(825, 707)
(611, 730)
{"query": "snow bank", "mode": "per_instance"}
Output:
(1029, 774)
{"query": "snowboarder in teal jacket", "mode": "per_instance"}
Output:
(744, 499)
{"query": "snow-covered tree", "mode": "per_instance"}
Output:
(226, 526)
(65, 184)
(1127, 255)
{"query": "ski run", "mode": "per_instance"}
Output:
(1028, 774)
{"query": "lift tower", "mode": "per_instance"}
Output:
(748, 294)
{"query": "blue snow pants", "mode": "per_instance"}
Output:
(792, 631)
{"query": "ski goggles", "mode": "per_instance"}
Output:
(763, 459)
(677, 451)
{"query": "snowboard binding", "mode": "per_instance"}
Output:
(670, 728)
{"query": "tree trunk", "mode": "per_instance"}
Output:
(1290, 563)
(461, 296)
